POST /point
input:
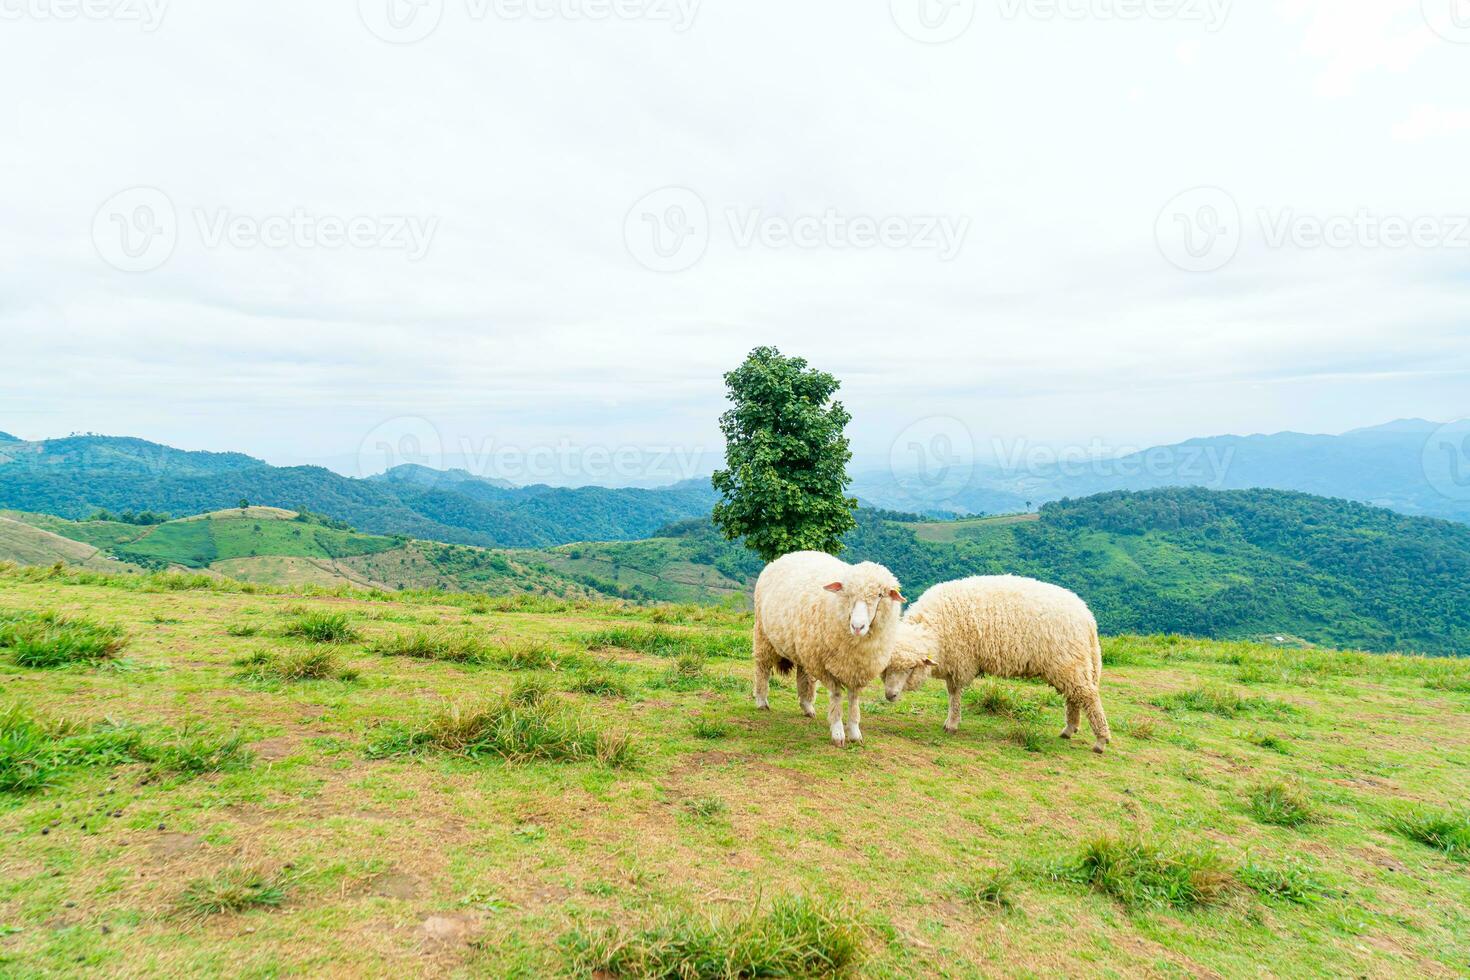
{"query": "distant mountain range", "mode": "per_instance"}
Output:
(76, 476)
(1388, 465)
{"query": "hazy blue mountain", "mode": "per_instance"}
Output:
(1383, 465)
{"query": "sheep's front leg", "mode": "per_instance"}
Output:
(806, 692)
(952, 722)
(834, 716)
(854, 716)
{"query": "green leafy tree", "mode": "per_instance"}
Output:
(786, 458)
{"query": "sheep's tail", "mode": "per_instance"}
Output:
(783, 666)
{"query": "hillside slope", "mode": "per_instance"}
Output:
(1259, 810)
(74, 477)
(1235, 564)
(276, 547)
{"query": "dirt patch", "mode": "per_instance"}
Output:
(272, 749)
(175, 845)
(448, 930)
(394, 884)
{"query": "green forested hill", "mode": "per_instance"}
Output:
(1230, 564)
(74, 477)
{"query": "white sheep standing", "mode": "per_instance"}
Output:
(1003, 626)
(835, 623)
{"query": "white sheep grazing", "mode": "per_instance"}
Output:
(1003, 626)
(834, 622)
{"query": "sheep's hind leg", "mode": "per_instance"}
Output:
(762, 686)
(854, 716)
(952, 721)
(1099, 722)
(806, 692)
(765, 656)
(834, 716)
(1074, 717)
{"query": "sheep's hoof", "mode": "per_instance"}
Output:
(762, 707)
(854, 735)
(809, 710)
(1065, 734)
(1098, 749)
(952, 730)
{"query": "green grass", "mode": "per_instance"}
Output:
(1281, 804)
(230, 891)
(36, 752)
(516, 728)
(709, 729)
(989, 891)
(599, 683)
(993, 697)
(793, 937)
(441, 644)
(1292, 882)
(321, 627)
(1143, 874)
(1443, 830)
(526, 654)
(296, 665)
(49, 640)
(664, 642)
(1218, 699)
(123, 785)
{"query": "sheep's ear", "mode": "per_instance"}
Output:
(929, 663)
(834, 587)
(896, 595)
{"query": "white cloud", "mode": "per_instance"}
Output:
(528, 141)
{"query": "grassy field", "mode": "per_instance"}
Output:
(210, 780)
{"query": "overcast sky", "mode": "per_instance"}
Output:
(302, 229)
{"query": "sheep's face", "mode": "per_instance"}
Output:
(866, 601)
(911, 665)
